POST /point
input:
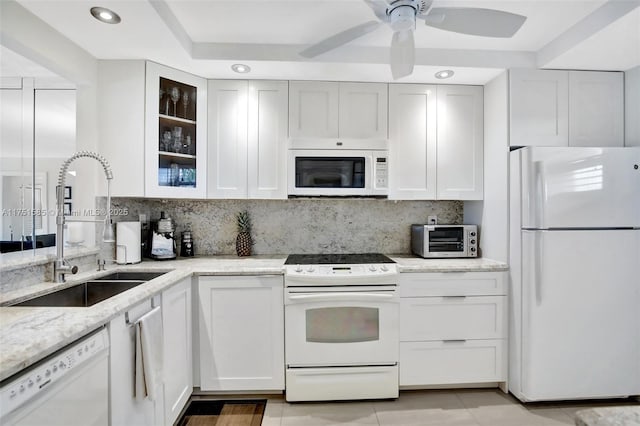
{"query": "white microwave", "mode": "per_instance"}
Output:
(339, 172)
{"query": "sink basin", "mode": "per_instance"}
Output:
(82, 295)
(130, 275)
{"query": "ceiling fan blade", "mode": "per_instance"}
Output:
(475, 21)
(339, 39)
(402, 54)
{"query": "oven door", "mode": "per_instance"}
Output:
(341, 326)
(329, 172)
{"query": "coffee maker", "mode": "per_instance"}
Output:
(162, 243)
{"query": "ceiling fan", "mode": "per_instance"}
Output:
(401, 16)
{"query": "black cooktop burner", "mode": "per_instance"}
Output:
(336, 259)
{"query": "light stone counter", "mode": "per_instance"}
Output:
(29, 334)
(408, 263)
(30, 258)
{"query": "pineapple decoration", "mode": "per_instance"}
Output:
(243, 240)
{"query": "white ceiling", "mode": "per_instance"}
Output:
(206, 37)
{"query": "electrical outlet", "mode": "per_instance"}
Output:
(432, 220)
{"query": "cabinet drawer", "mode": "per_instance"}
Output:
(439, 363)
(452, 284)
(441, 318)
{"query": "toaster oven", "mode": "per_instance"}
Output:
(442, 241)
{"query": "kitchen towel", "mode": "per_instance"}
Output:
(149, 356)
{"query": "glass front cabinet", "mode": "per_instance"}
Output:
(176, 133)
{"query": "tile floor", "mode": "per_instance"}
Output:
(472, 407)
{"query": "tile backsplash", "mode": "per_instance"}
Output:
(298, 225)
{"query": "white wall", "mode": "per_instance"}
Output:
(27, 35)
(632, 107)
(491, 214)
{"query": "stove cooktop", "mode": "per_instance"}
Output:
(336, 259)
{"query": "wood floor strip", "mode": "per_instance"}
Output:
(202, 420)
(230, 415)
(237, 415)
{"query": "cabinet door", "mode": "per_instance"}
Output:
(241, 333)
(227, 139)
(452, 362)
(313, 109)
(121, 86)
(596, 108)
(539, 105)
(412, 142)
(452, 317)
(178, 361)
(267, 154)
(460, 143)
(175, 133)
(363, 111)
(124, 406)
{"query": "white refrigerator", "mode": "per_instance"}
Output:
(574, 221)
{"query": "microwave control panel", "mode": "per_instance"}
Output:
(381, 172)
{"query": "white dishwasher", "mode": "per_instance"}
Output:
(71, 387)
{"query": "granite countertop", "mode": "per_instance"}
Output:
(29, 334)
(609, 416)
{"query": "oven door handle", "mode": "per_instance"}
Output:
(346, 296)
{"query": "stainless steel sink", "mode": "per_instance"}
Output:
(91, 292)
(82, 295)
(130, 275)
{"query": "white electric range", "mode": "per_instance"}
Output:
(341, 327)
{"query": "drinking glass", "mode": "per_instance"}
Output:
(175, 97)
(166, 140)
(185, 102)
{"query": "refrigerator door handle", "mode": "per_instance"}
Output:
(540, 193)
(538, 266)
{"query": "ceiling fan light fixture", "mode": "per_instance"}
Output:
(444, 74)
(241, 68)
(105, 15)
(402, 18)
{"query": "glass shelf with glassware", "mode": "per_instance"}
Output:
(175, 133)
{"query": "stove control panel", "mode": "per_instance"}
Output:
(373, 269)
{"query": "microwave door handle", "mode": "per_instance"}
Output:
(351, 297)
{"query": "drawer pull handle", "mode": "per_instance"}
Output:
(455, 341)
(454, 297)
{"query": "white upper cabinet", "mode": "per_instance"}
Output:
(247, 139)
(460, 143)
(267, 156)
(566, 108)
(331, 110)
(122, 113)
(412, 142)
(227, 139)
(363, 111)
(596, 108)
(539, 113)
(175, 133)
(313, 109)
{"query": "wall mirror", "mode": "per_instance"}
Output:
(37, 133)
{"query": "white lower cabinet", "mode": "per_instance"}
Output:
(453, 328)
(125, 407)
(175, 388)
(177, 341)
(241, 323)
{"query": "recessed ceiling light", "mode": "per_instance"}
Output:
(241, 68)
(105, 15)
(444, 74)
